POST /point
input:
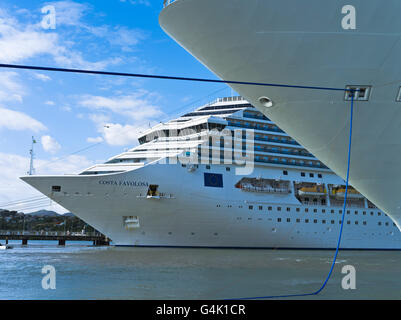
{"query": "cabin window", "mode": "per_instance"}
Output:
(56, 188)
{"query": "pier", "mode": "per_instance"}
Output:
(97, 238)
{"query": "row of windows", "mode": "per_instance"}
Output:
(311, 175)
(316, 221)
(288, 209)
(323, 221)
(331, 221)
(315, 210)
(303, 174)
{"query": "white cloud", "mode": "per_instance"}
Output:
(99, 119)
(15, 120)
(66, 108)
(49, 103)
(19, 42)
(120, 36)
(94, 140)
(69, 13)
(42, 77)
(137, 106)
(50, 144)
(144, 2)
(10, 87)
(116, 134)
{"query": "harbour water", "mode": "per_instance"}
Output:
(87, 272)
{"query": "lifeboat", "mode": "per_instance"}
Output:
(262, 189)
(351, 194)
(312, 191)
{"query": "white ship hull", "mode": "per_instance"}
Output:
(303, 43)
(192, 215)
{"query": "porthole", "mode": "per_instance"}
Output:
(266, 102)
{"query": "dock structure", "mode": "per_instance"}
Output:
(97, 238)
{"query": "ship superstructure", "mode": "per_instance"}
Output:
(223, 175)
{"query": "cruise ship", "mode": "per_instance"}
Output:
(329, 44)
(223, 175)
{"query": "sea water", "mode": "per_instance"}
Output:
(86, 272)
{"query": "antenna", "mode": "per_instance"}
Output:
(31, 152)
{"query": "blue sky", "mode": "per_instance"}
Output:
(67, 112)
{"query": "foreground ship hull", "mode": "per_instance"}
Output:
(304, 43)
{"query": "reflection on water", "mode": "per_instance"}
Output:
(86, 272)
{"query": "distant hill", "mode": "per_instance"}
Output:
(68, 214)
(44, 213)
